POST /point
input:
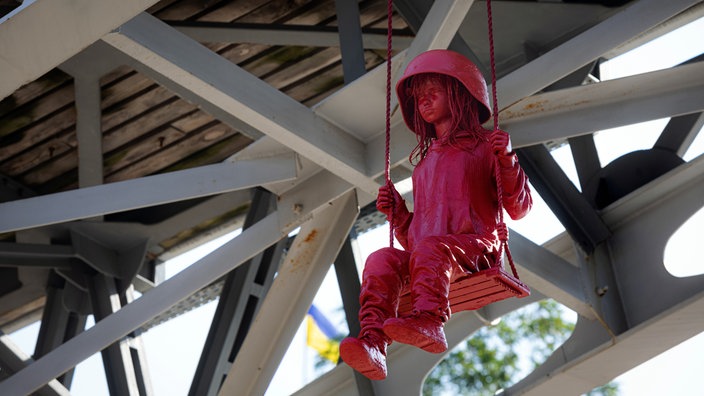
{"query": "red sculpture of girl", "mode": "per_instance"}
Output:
(453, 228)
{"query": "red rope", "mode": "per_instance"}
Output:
(387, 166)
(493, 63)
(499, 184)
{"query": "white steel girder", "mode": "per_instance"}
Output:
(660, 310)
(44, 34)
(146, 191)
(608, 104)
(559, 62)
(289, 298)
(86, 68)
(550, 274)
(207, 74)
(312, 196)
(13, 359)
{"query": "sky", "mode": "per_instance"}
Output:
(173, 349)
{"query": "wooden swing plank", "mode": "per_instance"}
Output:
(475, 291)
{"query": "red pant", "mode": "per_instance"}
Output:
(429, 269)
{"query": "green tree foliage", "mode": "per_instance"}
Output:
(497, 356)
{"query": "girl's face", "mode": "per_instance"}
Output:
(432, 102)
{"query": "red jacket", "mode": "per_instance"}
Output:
(454, 192)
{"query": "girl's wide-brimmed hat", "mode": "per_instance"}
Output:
(449, 63)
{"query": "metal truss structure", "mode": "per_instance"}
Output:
(314, 167)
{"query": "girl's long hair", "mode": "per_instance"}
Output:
(464, 110)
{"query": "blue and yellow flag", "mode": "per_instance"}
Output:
(321, 335)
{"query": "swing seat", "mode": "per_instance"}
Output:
(474, 291)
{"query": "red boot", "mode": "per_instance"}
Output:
(366, 355)
(423, 330)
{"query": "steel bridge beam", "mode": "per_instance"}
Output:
(312, 196)
(680, 132)
(13, 359)
(58, 323)
(608, 104)
(146, 191)
(585, 48)
(302, 35)
(227, 86)
(350, 40)
(55, 30)
(573, 210)
(292, 293)
(655, 322)
(242, 293)
(124, 361)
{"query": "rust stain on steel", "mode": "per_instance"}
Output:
(311, 236)
(536, 107)
(305, 254)
(525, 110)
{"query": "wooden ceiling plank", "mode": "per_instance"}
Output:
(303, 69)
(33, 90)
(49, 159)
(182, 149)
(318, 86)
(192, 121)
(130, 86)
(43, 141)
(56, 165)
(36, 110)
(136, 108)
(325, 83)
(232, 10)
(181, 10)
(140, 127)
(140, 150)
(39, 133)
(278, 59)
(221, 150)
